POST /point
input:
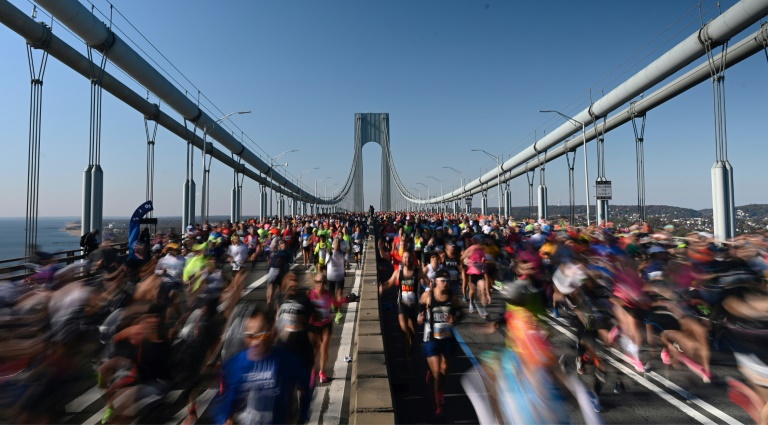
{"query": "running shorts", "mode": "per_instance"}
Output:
(437, 347)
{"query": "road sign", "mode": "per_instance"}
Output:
(468, 200)
(603, 190)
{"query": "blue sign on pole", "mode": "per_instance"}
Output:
(135, 224)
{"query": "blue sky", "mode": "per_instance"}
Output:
(453, 75)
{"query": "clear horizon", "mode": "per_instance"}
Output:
(474, 206)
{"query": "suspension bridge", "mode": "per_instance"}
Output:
(703, 56)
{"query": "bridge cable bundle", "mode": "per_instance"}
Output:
(151, 137)
(36, 74)
(639, 158)
(723, 206)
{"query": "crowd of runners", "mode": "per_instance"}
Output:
(167, 317)
(661, 298)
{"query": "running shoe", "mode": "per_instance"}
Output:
(471, 307)
(594, 400)
(323, 377)
(639, 366)
(107, 415)
(482, 312)
(696, 368)
(464, 298)
(339, 316)
(555, 313)
(580, 366)
(619, 387)
(613, 335)
(665, 357)
(439, 411)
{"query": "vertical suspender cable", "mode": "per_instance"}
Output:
(151, 137)
(530, 176)
(33, 159)
(640, 161)
(571, 190)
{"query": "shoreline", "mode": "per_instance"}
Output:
(73, 228)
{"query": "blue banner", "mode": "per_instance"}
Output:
(135, 225)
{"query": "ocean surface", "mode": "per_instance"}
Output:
(50, 236)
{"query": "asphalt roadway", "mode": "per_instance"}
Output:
(661, 395)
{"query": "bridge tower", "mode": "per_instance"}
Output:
(372, 128)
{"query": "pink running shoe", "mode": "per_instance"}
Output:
(665, 357)
(639, 367)
(696, 368)
(323, 377)
(613, 335)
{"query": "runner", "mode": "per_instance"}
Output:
(334, 260)
(440, 311)
(278, 266)
(407, 279)
(260, 384)
(321, 322)
(476, 272)
(452, 263)
(292, 325)
(357, 244)
(306, 246)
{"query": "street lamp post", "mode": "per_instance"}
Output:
(441, 191)
(422, 184)
(316, 182)
(205, 201)
(332, 191)
(584, 137)
(462, 181)
(498, 176)
(272, 164)
(418, 193)
(301, 183)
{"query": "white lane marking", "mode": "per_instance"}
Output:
(202, 403)
(691, 397)
(674, 387)
(642, 381)
(332, 414)
(97, 417)
(84, 400)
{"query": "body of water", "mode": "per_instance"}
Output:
(50, 236)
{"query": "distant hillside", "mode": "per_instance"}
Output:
(615, 210)
(758, 211)
(751, 210)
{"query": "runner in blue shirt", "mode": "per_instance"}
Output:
(259, 385)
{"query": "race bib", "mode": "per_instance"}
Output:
(453, 274)
(408, 298)
(442, 330)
